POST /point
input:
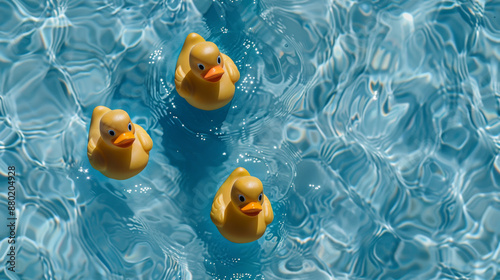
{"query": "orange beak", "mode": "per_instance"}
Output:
(214, 74)
(125, 140)
(252, 209)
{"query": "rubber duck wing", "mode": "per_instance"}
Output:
(231, 68)
(97, 160)
(179, 77)
(144, 138)
(182, 83)
(268, 211)
(218, 211)
(95, 122)
(90, 147)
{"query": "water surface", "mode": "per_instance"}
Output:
(374, 126)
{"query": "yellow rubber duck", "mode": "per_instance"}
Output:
(112, 148)
(204, 76)
(240, 210)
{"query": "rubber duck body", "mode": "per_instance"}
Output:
(204, 76)
(118, 148)
(240, 209)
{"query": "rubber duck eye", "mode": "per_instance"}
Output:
(111, 132)
(260, 197)
(242, 198)
(129, 127)
(201, 66)
(218, 59)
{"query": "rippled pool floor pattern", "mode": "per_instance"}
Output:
(374, 126)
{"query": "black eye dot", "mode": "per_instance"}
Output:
(111, 132)
(201, 66)
(129, 127)
(260, 197)
(242, 198)
(218, 59)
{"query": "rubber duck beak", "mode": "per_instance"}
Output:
(214, 74)
(125, 140)
(252, 209)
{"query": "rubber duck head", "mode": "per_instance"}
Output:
(117, 130)
(206, 62)
(247, 195)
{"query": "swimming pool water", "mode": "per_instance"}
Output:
(373, 125)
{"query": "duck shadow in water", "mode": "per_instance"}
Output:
(193, 141)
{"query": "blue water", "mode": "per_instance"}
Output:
(373, 125)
